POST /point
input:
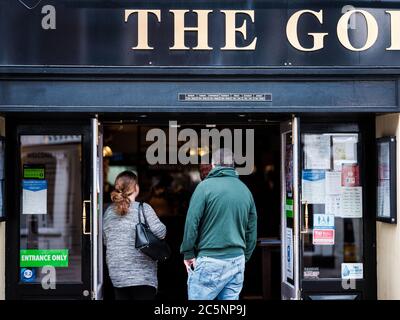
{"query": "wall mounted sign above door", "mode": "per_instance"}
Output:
(261, 34)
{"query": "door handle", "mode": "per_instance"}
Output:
(84, 217)
(305, 229)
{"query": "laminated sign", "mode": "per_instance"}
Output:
(324, 229)
(43, 258)
(352, 271)
(34, 196)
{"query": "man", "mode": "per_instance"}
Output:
(220, 232)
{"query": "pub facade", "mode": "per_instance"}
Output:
(82, 83)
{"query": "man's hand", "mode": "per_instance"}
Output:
(189, 263)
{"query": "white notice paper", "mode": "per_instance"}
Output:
(289, 253)
(333, 183)
(317, 150)
(34, 197)
(333, 190)
(313, 186)
(344, 150)
(351, 202)
(332, 204)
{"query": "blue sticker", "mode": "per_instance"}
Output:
(28, 274)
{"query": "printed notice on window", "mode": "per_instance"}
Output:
(313, 186)
(333, 191)
(34, 196)
(289, 253)
(351, 202)
(317, 151)
(344, 150)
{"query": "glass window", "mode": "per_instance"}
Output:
(331, 206)
(51, 199)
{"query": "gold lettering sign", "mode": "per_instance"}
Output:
(232, 31)
(142, 34)
(372, 30)
(291, 31)
(395, 29)
(201, 29)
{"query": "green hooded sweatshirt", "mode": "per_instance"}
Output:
(222, 220)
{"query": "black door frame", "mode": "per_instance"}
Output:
(364, 125)
(15, 128)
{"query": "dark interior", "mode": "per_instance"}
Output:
(168, 189)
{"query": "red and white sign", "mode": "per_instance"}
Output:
(324, 237)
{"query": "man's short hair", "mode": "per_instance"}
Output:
(223, 157)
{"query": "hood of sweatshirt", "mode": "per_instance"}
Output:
(222, 172)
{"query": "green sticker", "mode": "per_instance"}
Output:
(289, 208)
(42, 258)
(33, 173)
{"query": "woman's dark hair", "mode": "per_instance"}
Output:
(125, 185)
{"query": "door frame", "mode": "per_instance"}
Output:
(290, 291)
(15, 128)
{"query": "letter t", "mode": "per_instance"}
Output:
(142, 35)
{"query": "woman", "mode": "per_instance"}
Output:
(132, 273)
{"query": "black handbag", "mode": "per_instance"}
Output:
(147, 242)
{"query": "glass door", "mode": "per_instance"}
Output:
(334, 263)
(290, 210)
(50, 230)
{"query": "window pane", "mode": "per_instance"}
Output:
(50, 217)
(331, 206)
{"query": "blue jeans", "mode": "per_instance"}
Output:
(216, 278)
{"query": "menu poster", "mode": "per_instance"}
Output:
(383, 161)
(317, 151)
(313, 186)
(384, 191)
(350, 175)
(383, 203)
(351, 202)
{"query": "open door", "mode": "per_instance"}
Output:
(290, 209)
(49, 231)
(97, 210)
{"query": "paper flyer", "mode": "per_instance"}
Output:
(313, 186)
(344, 150)
(351, 202)
(34, 196)
(317, 150)
(350, 175)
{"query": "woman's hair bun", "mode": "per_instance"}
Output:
(125, 186)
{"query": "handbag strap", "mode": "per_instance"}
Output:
(140, 212)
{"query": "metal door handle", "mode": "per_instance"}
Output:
(84, 217)
(305, 230)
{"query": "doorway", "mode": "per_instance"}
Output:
(65, 158)
(168, 188)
